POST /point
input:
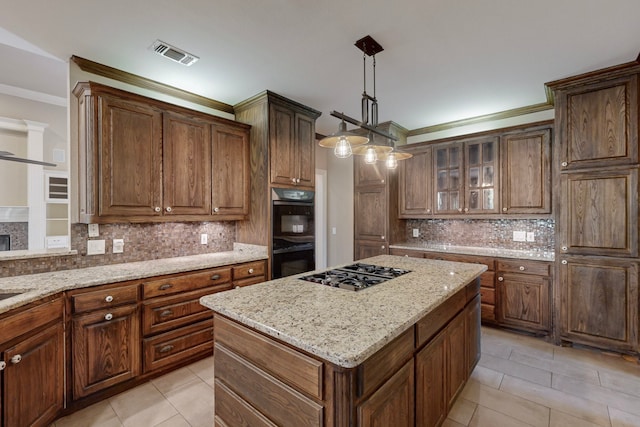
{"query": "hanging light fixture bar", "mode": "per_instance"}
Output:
(358, 123)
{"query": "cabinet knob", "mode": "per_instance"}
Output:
(564, 262)
(382, 247)
(428, 210)
(165, 286)
(3, 365)
(521, 268)
(500, 279)
(564, 164)
(157, 209)
(382, 181)
(466, 209)
(215, 277)
(168, 208)
(459, 209)
(165, 349)
(216, 209)
(16, 359)
(166, 313)
(382, 237)
(109, 298)
(504, 209)
(237, 287)
(251, 271)
(108, 316)
(564, 248)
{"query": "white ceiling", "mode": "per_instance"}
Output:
(444, 60)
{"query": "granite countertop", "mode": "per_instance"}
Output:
(536, 255)
(342, 326)
(35, 286)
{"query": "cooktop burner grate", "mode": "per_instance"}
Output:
(355, 276)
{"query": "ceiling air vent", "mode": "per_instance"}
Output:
(173, 53)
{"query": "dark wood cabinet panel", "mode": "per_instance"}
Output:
(448, 167)
(599, 213)
(370, 204)
(524, 301)
(306, 137)
(367, 248)
(186, 167)
(231, 171)
(431, 379)
(599, 302)
(526, 172)
(415, 185)
(130, 157)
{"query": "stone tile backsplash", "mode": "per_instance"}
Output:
(484, 232)
(18, 232)
(142, 242)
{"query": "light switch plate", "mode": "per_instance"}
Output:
(94, 230)
(203, 239)
(530, 236)
(118, 246)
(95, 247)
(519, 236)
(416, 232)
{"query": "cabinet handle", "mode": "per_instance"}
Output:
(216, 209)
(3, 365)
(157, 209)
(564, 248)
(166, 348)
(251, 271)
(428, 210)
(521, 268)
(109, 298)
(466, 210)
(16, 359)
(215, 277)
(382, 246)
(168, 208)
(564, 262)
(237, 287)
(293, 180)
(459, 209)
(500, 279)
(564, 164)
(165, 286)
(108, 316)
(382, 181)
(504, 209)
(166, 313)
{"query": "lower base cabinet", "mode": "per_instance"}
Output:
(414, 380)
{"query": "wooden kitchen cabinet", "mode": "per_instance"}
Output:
(415, 185)
(249, 273)
(32, 364)
(526, 171)
(525, 298)
(166, 175)
(231, 171)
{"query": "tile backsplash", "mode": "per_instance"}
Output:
(497, 233)
(18, 232)
(141, 242)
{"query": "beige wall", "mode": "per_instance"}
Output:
(339, 210)
(13, 175)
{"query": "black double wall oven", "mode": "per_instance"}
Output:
(293, 232)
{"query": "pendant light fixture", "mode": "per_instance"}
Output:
(378, 145)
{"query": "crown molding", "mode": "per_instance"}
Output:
(143, 82)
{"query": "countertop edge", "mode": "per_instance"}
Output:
(533, 255)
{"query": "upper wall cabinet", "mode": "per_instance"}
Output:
(415, 194)
(143, 160)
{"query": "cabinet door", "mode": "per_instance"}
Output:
(186, 165)
(231, 171)
(130, 158)
(599, 124)
(431, 379)
(447, 164)
(34, 379)
(306, 151)
(526, 172)
(365, 175)
(392, 404)
(524, 301)
(415, 194)
(105, 349)
(371, 214)
(599, 302)
(457, 357)
(472, 332)
(599, 213)
(367, 249)
(283, 150)
(482, 179)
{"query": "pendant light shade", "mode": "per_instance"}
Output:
(341, 136)
(391, 159)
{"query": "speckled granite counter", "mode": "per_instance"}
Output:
(342, 326)
(36, 286)
(483, 251)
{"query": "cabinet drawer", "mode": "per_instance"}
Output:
(104, 298)
(406, 252)
(488, 296)
(471, 259)
(232, 410)
(288, 365)
(488, 279)
(488, 312)
(249, 281)
(173, 347)
(432, 323)
(168, 285)
(162, 314)
(525, 267)
(30, 319)
(249, 269)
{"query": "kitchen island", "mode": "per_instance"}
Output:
(292, 352)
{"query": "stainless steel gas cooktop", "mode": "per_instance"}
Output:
(355, 277)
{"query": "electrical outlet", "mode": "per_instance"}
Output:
(118, 246)
(519, 236)
(333, 230)
(203, 239)
(416, 232)
(94, 230)
(95, 247)
(530, 236)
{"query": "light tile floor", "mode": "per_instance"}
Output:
(519, 381)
